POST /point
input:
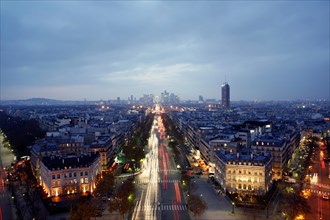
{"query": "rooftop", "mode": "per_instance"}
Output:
(245, 155)
(55, 162)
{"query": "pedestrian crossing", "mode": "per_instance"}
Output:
(158, 181)
(162, 208)
(167, 170)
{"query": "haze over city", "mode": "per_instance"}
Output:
(103, 50)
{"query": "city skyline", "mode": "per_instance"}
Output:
(105, 50)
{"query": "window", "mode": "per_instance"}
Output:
(86, 173)
(74, 174)
(81, 180)
(86, 180)
(65, 175)
(58, 176)
(81, 173)
(53, 183)
(70, 174)
(53, 176)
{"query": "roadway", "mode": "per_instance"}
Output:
(320, 208)
(6, 205)
(160, 195)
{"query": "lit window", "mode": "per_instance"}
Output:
(86, 180)
(81, 180)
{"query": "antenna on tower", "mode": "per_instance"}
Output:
(225, 78)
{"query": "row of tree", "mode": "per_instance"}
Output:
(22, 184)
(134, 151)
(19, 133)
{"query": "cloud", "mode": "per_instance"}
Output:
(146, 47)
(152, 73)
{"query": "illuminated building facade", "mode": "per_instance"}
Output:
(246, 172)
(61, 176)
(280, 150)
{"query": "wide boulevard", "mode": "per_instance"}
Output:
(160, 195)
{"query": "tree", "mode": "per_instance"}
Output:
(187, 184)
(289, 196)
(123, 199)
(197, 205)
(104, 184)
(84, 210)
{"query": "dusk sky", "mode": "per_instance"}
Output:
(271, 50)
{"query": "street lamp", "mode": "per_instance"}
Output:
(233, 205)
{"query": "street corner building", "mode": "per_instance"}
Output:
(69, 175)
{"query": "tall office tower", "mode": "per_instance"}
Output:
(225, 95)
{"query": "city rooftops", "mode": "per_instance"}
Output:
(45, 147)
(245, 155)
(60, 163)
(261, 122)
(269, 140)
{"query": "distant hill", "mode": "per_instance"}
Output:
(43, 101)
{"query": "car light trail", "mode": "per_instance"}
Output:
(177, 192)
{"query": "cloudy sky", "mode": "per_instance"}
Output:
(101, 50)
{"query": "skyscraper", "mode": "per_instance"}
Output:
(225, 95)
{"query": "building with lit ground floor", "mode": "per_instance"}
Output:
(246, 172)
(68, 175)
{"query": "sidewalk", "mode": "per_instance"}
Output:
(219, 207)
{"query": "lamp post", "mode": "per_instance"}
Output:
(233, 205)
